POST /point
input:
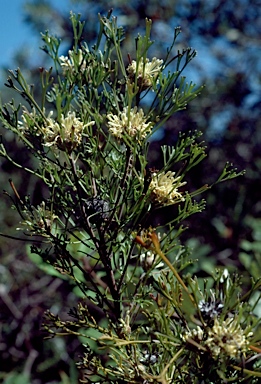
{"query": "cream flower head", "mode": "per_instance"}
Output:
(164, 188)
(146, 72)
(226, 337)
(74, 62)
(133, 124)
(67, 134)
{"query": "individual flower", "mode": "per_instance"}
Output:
(227, 337)
(74, 62)
(66, 134)
(146, 72)
(164, 188)
(131, 122)
(38, 220)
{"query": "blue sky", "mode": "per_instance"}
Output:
(15, 33)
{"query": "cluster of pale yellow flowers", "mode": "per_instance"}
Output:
(145, 72)
(65, 134)
(224, 338)
(164, 188)
(74, 62)
(132, 121)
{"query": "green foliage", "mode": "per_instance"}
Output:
(141, 318)
(250, 255)
(23, 378)
(17, 378)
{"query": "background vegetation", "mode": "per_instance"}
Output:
(225, 34)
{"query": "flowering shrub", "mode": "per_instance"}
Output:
(141, 317)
